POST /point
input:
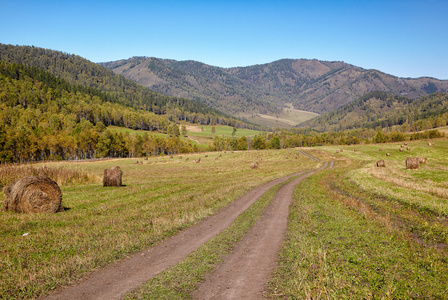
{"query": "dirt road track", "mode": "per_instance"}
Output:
(244, 273)
(119, 279)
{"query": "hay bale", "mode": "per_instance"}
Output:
(422, 160)
(146, 158)
(356, 150)
(112, 177)
(254, 165)
(220, 155)
(186, 159)
(206, 155)
(381, 149)
(412, 163)
(171, 156)
(216, 158)
(180, 157)
(408, 148)
(380, 164)
(342, 150)
(387, 154)
(198, 160)
(286, 157)
(402, 146)
(33, 195)
(405, 144)
(401, 150)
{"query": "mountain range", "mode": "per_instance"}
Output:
(270, 90)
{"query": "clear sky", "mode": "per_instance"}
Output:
(406, 38)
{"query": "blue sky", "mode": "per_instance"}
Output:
(402, 38)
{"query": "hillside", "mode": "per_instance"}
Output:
(309, 85)
(385, 110)
(114, 88)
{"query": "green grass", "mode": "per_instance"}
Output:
(220, 130)
(103, 225)
(341, 245)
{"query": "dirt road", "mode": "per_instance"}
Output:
(117, 280)
(244, 273)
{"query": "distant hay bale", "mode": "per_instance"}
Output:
(186, 159)
(254, 165)
(220, 155)
(146, 158)
(112, 177)
(295, 157)
(171, 156)
(402, 146)
(380, 164)
(405, 144)
(286, 157)
(180, 157)
(412, 163)
(198, 160)
(387, 154)
(381, 149)
(33, 195)
(356, 150)
(342, 150)
(408, 148)
(216, 158)
(206, 155)
(422, 160)
(401, 150)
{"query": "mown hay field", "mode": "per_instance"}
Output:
(367, 232)
(39, 252)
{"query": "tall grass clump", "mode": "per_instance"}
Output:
(12, 172)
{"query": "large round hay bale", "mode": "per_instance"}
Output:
(422, 160)
(254, 165)
(387, 154)
(412, 163)
(380, 164)
(33, 195)
(112, 177)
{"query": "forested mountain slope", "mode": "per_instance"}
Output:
(310, 85)
(114, 88)
(380, 109)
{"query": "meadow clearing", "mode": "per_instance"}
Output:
(355, 231)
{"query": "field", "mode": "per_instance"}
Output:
(355, 231)
(200, 135)
(102, 225)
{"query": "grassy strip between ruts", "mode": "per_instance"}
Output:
(340, 251)
(179, 281)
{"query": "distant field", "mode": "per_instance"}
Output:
(142, 132)
(220, 130)
(288, 118)
(200, 135)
